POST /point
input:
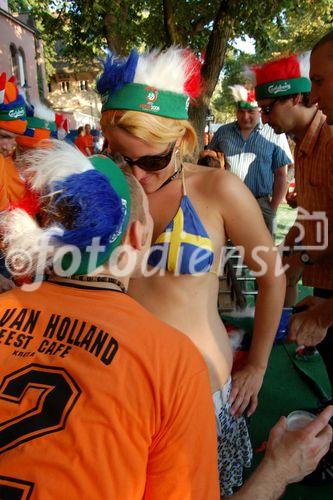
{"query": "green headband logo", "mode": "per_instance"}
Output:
(151, 97)
(280, 87)
(283, 87)
(16, 113)
(147, 99)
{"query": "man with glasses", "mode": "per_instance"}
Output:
(254, 153)
(283, 91)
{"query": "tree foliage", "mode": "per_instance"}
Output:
(87, 27)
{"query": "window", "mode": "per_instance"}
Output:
(83, 85)
(64, 86)
(22, 74)
(14, 61)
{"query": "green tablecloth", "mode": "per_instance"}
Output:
(284, 391)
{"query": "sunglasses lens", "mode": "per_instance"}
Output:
(153, 163)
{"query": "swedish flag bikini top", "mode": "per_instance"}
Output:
(184, 246)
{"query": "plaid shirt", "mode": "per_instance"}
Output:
(314, 187)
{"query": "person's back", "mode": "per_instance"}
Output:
(124, 390)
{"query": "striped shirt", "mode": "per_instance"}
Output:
(255, 159)
(314, 188)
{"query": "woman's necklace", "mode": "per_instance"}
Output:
(99, 281)
(173, 177)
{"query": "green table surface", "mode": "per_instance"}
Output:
(284, 391)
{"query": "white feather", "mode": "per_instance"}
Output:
(304, 63)
(43, 112)
(53, 161)
(165, 70)
(25, 239)
(239, 92)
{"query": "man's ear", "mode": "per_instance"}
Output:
(135, 235)
(298, 99)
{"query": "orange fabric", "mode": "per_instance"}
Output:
(89, 142)
(131, 394)
(314, 187)
(11, 93)
(81, 143)
(16, 126)
(31, 142)
(12, 187)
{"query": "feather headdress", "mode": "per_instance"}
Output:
(40, 124)
(282, 77)
(244, 98)
(12, 106)
(156, 82)
(81, 199)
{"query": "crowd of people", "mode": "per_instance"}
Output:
(111, 344)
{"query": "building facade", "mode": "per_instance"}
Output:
(71, 92)
(21, 52)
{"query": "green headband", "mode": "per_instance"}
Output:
(139, 97)
(281, 88)
(34, 122)
(246, 105)
(118, 182)
(15, 113)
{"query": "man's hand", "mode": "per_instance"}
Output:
(246, 385)
(295, 454)
(309, 327)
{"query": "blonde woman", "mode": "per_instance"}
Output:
(144, 118)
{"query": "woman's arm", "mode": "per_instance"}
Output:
(246, 228)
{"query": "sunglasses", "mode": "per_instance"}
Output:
(152, 163)
(267, 109)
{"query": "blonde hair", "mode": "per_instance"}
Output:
(152, 129)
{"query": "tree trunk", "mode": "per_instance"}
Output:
(211, 69)
(111, 30)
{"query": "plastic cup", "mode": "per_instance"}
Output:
(299, 419)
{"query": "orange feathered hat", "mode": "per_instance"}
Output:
(12, 107)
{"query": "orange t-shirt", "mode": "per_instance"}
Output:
(81, 143)
(12, 187)
(101, 400)
(89, 142)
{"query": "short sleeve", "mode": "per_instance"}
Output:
(183, 457)
(281, 155)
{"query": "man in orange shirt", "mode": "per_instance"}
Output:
(89, 140)
(80, 142)
(315, 325)
(98, 398)
(286, 107)
(113, 399)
